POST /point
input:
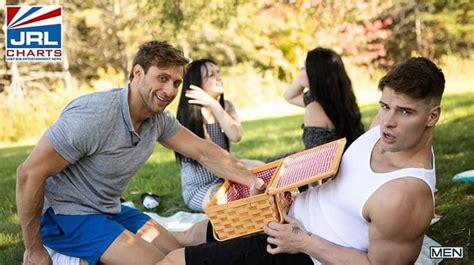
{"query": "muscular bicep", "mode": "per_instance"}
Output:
(186, 143)
(399, 216)
(389, 248)
(43, 161)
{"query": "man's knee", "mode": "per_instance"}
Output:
(128, 248)
(175, 257)
(149, 231)
(195, 235)
(161, 238)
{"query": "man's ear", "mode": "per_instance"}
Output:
(138, 71)
(434, 116)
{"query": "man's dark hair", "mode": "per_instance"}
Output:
(159, 54)
(418, 78)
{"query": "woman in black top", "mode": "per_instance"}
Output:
(331, 110)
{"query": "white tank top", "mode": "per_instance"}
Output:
(334, 210)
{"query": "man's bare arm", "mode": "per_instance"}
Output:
(291, 237)
(399, 216)
(43, 162)
(211, 156)
(400, 213)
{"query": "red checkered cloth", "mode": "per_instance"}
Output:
(238, 191)
(295, 168)
(301, 166)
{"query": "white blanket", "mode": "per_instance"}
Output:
(424, 258)
(180, 221)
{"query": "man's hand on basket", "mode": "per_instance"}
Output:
(290, 237)
(258, 187)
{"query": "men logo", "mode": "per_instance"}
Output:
(34, 33)
(446, 252)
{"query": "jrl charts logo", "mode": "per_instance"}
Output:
(446, 252)
(34, 33)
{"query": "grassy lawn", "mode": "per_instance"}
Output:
(453, 144)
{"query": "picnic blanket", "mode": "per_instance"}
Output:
(424, 258)
(179, 221)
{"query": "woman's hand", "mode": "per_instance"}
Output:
(198, 96)
(227, 120)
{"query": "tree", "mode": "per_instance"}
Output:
(431, 28)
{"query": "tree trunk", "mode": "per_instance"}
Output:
(66, 73)
(16, 86)
(419, 44)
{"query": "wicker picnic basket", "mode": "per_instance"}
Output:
(234, 213)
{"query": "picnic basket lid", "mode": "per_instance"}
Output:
(307, 166)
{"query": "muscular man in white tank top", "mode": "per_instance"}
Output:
(379, 206)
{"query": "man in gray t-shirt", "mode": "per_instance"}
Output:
(69, 188)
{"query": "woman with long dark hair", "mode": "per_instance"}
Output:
(203, 110)
(331, 109)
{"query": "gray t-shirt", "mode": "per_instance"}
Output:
(95, 135)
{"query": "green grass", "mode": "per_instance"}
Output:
(453, 144)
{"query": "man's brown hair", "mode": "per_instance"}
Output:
(159, 54)
(418, 78)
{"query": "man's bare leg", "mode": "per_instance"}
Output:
(194, 236)
(175, 257)
(161, 238)
(129, 248)
(151, 243)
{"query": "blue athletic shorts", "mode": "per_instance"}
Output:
(88, 236)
